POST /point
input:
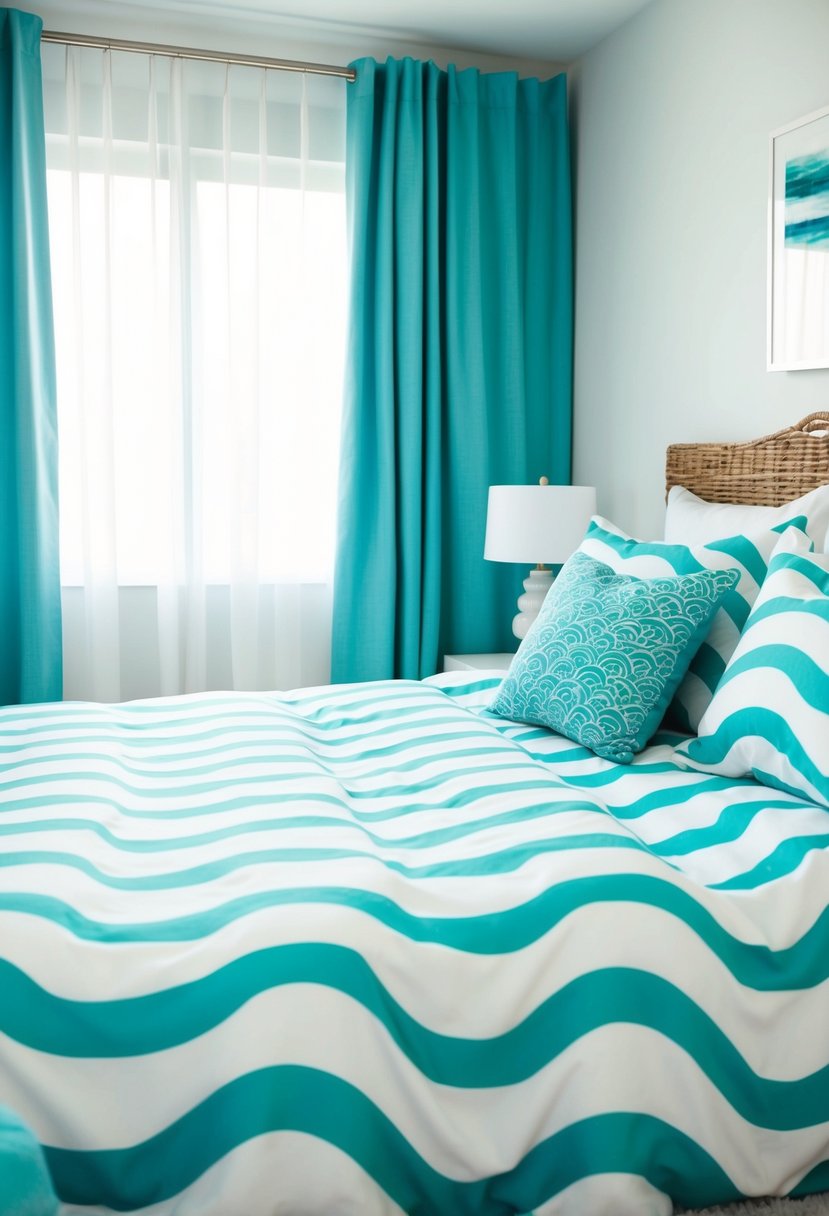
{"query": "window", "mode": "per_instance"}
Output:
(197, 222)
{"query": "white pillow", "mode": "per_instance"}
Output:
(770, 715)
(690, 520)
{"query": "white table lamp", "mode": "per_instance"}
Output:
(538, 524)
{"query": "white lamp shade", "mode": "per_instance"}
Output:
(534, 524)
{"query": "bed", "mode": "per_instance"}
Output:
(372, 950)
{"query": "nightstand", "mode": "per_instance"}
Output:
(478, 662)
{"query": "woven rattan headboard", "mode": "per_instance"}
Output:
(764, 472)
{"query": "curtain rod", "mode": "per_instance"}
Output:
(185, 52)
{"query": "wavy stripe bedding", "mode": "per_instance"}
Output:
(370, 950)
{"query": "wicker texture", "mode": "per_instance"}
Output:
(765, 472)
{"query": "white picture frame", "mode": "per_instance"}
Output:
(798, 245)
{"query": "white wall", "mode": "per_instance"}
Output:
(672, 115)
(208, 24)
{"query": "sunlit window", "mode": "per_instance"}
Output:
(199, 298)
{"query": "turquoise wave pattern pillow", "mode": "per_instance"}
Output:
(606, 652)
(748, 555)
(770, 716)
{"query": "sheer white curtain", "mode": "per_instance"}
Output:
(198, 248)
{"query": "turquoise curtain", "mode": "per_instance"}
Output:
(460, 353)
(30, 622)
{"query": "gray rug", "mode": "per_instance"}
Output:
(812, 1205)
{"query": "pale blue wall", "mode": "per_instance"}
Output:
(672, 116)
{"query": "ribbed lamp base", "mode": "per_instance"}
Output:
(536, 586)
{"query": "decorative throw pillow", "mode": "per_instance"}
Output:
(770, 716)
(748, 555)
(605, 653)
(690, 520)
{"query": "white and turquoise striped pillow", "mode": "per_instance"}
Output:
(748, 555)
(770, 717)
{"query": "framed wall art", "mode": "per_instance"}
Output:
(798, 272)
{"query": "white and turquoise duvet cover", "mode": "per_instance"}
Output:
(366, 951)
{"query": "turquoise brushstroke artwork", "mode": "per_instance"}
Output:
(807, 200)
